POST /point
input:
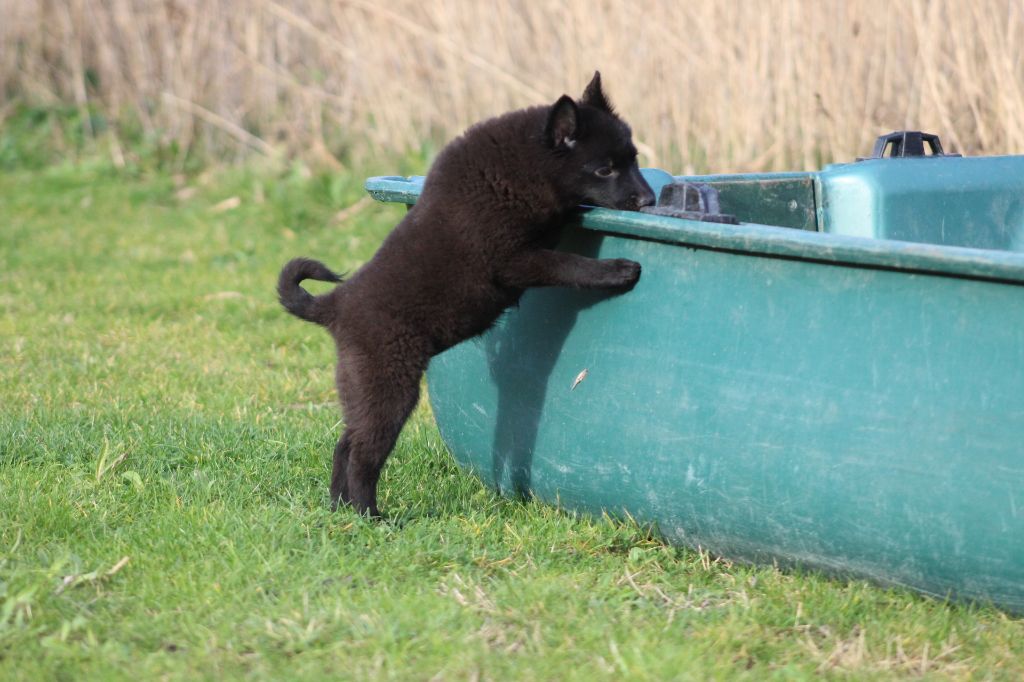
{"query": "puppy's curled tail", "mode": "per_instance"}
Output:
(297, 300)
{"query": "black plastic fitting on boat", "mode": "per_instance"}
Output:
(907, 143)
(692, 201)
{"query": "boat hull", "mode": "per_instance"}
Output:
(861, 418)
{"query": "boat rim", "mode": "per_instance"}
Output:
(771, 241)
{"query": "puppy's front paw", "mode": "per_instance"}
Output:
(624, 273)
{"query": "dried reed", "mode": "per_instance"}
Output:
(723, 85)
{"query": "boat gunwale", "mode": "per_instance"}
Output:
(769, 240)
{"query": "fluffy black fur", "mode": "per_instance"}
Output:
(480, 233)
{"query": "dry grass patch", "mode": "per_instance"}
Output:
(708, 85)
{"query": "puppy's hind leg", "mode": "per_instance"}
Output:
(339, 474)
(374, 433)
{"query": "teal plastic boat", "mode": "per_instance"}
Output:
(836, 382)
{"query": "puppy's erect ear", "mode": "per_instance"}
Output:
(594, 95)
(562, 124)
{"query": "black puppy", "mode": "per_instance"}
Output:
(480, 233)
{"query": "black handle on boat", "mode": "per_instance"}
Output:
(691, 201)
(689, 196)
(906, 143)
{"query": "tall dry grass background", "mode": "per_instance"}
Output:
(719, 85)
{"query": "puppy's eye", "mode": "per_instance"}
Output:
(605, 172)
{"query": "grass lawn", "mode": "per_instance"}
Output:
(165, 434)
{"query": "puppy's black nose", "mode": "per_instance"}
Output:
(646, 198)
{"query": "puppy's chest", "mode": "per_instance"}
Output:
(503, 246)
(474, 316)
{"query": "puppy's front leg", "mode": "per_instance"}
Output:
(546, 268)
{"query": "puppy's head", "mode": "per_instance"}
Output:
(596, 159)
